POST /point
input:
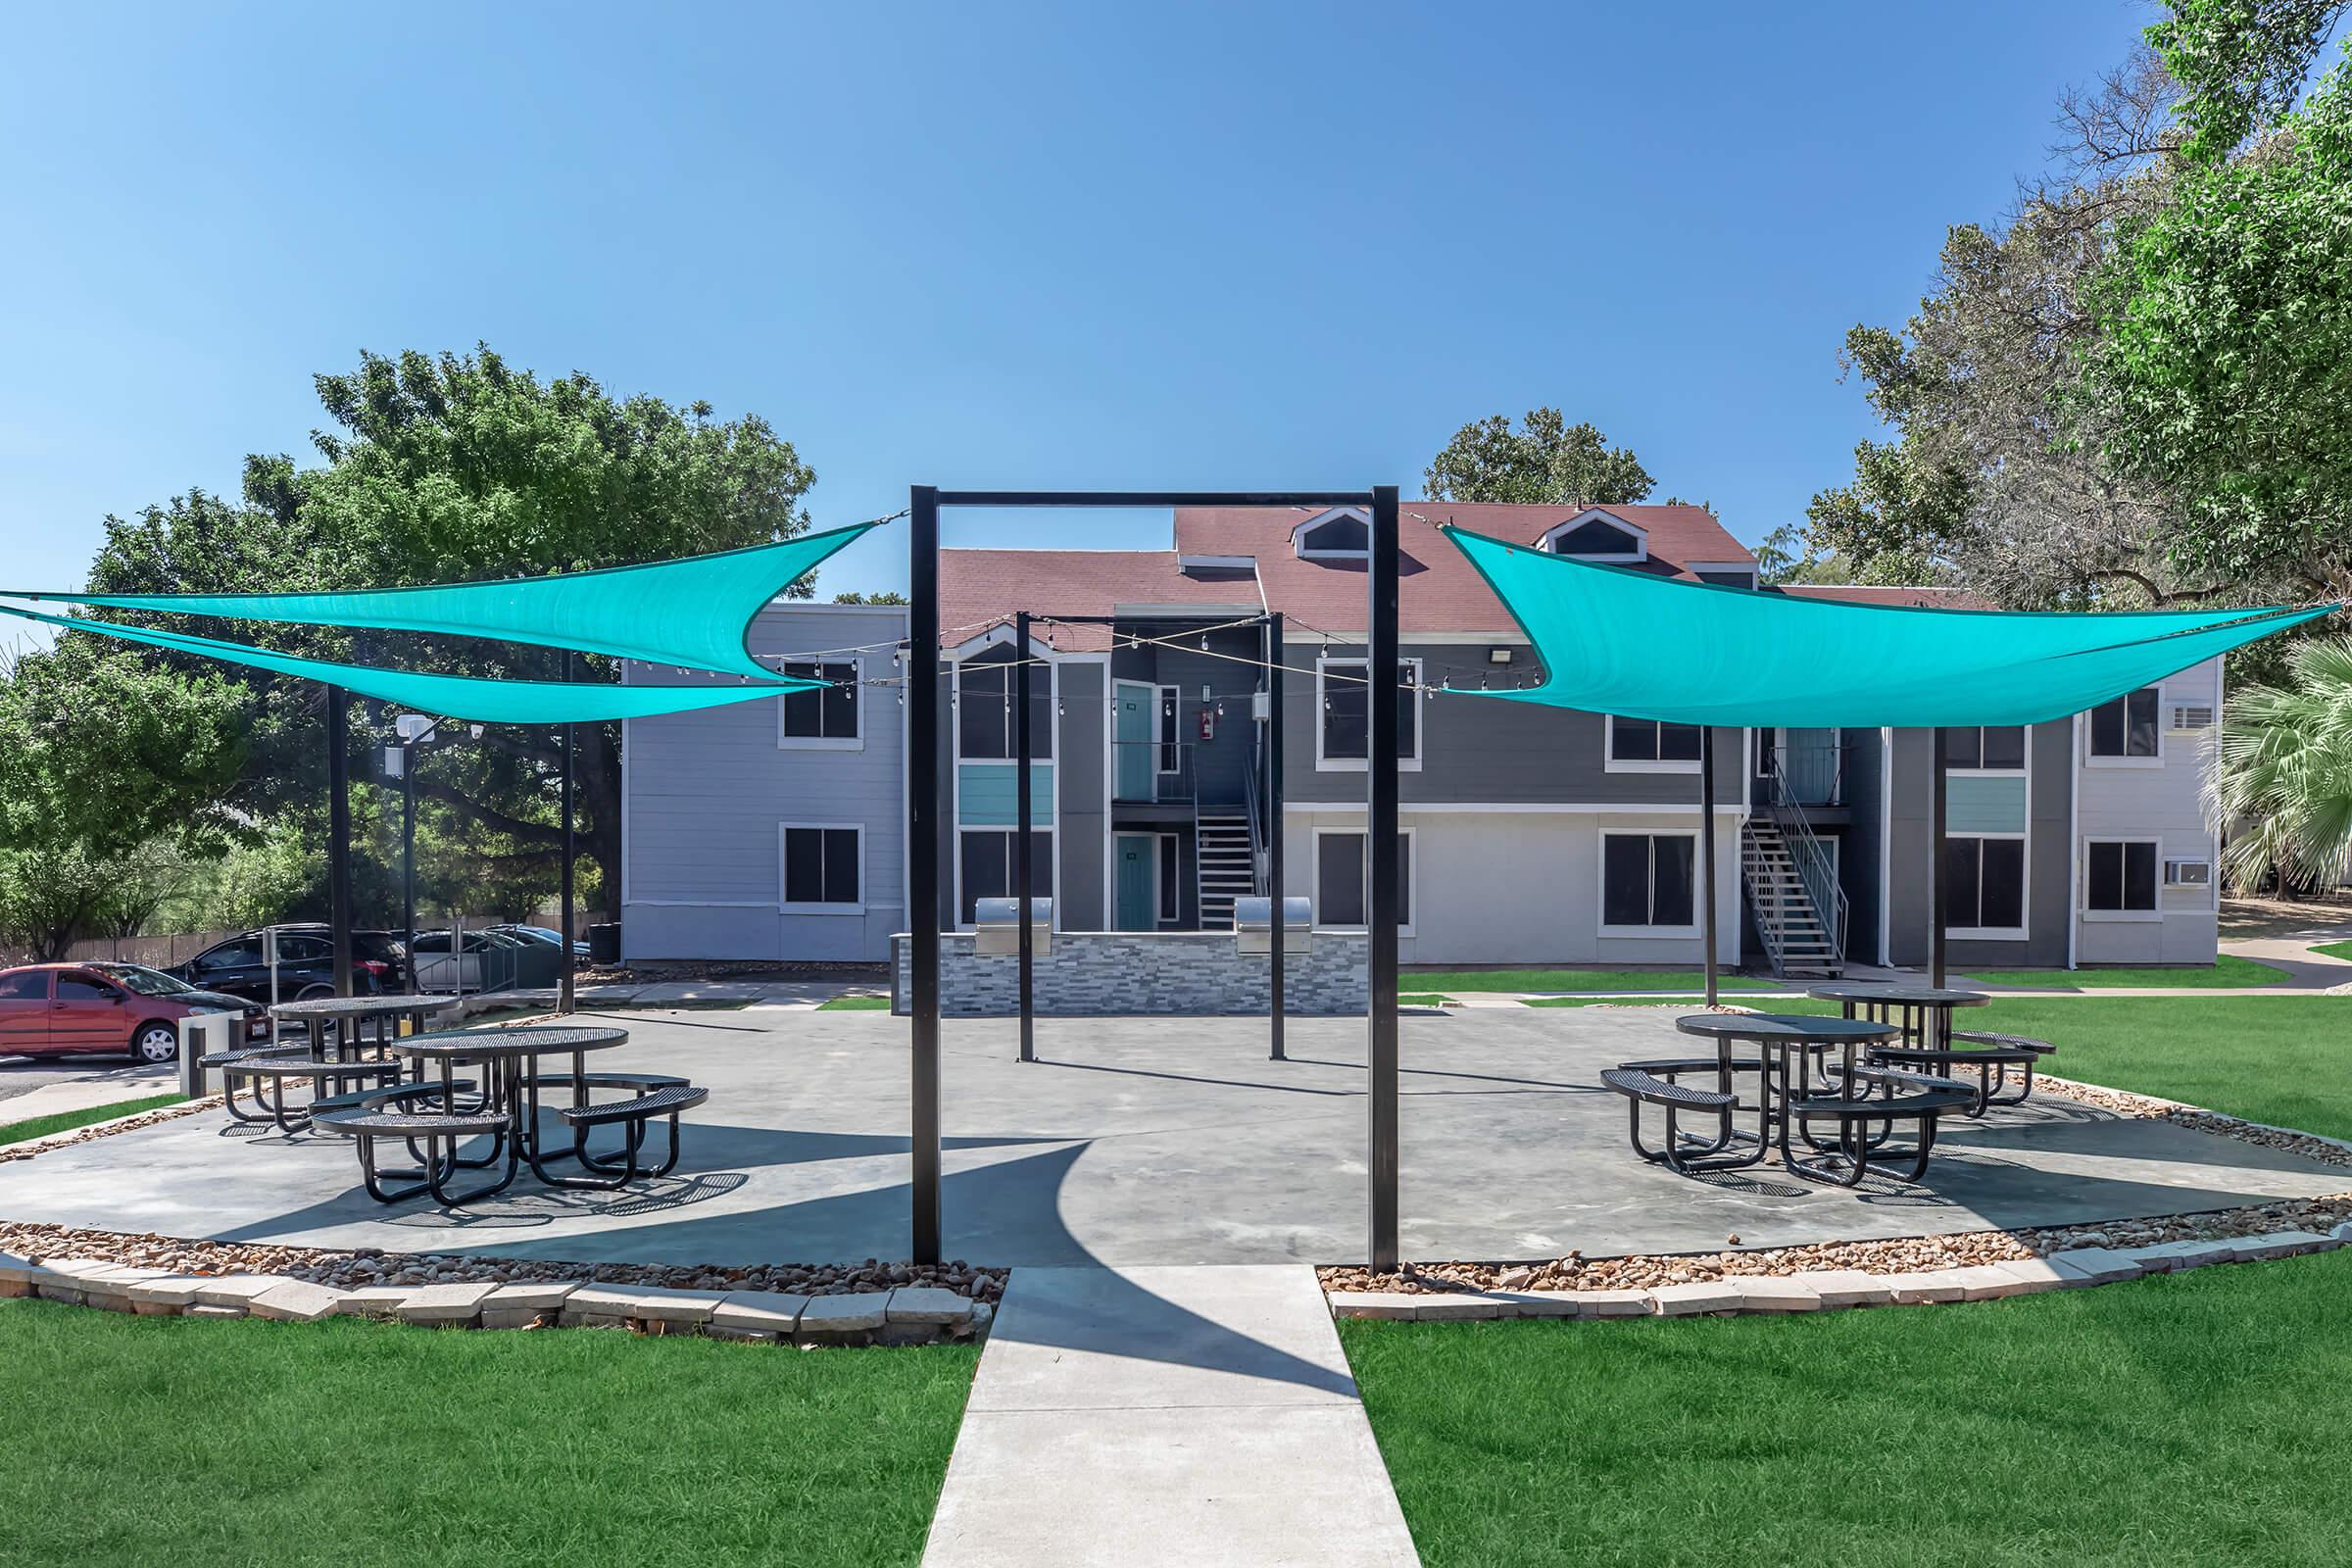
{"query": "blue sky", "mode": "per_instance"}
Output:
(1000, 245)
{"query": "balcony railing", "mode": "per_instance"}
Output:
(1808, 773)
(1151, 772)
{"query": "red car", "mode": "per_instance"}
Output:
(57, 1009)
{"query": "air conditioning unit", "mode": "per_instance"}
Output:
(2188, 873)
(2192, 716)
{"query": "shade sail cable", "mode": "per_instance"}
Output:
(1644, 646)
(691, 613)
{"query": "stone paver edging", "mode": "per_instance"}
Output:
(1818, 1290)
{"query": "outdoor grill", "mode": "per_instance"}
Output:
(1254, 926)
(997, 930)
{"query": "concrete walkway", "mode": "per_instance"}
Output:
(1203, 1416)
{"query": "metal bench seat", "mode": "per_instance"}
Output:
(640, 1082)
(1641, 1084)
(413, 1124)
(269, 1073)
(1650, 1083)
(1866, 1123)
(439, 1131)
(377, 1099)
(1993, 1057)
(222, 1060)
(1985, 1037)
(665, 1101)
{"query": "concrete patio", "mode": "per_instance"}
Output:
(1150, 1142)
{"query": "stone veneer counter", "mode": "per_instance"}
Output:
(1142, 974)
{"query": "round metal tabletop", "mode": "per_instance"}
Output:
(1901, 996)
(362, 1006)
(523, 1040)
(1804, 1027)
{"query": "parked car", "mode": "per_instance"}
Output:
(547, 936)
(373, 947)
(60, 1010)
(306, 967)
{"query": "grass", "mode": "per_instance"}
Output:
(853, 1005)
(2334, 950)
(1581, 980)
(18, 1132)
(2226, 971)
(181, 1440)
(1424, 998)
(1761, 1004)
(2200, 1418)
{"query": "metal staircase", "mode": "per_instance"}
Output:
(1796, 938)
(1227, 864)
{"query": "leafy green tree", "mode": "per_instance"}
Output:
(884, 597)
(451, 468)
(2284, 787)
(1546, 460)
(2243, 62)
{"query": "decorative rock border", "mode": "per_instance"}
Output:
(906, 1315)
(1819, 1289)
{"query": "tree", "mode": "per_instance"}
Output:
(451, 468)
(885, 597)
(2243, 62)
(2224, 364)
(1547, 462)
(2284, 787)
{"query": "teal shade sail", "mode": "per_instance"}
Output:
(488, 702)
(1614, 641)
(691, 613)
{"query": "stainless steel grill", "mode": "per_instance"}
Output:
(1254, 926)
(997, 931)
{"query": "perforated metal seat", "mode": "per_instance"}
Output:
(665, 1102)
(1659, 1091)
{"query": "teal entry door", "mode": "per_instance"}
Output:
(1135, 899)
(1134, 728)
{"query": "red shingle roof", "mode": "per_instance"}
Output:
(977, 587)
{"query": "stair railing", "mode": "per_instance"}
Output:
(1814, 867)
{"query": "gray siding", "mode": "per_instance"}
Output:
(1081, 845)
(2049, 803)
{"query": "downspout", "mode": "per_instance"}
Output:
(2074, 840)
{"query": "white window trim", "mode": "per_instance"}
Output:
(1053, 892)
(2092, 758)
(858, 907)
(1358, 765)
(823, 743)
(1412, 875)
(1299, 533)
(2148, 916)
(1613, 763)
(1699, 883)
(1723, 568)
(2025, 891)
(2025, 770)
(1552, 537)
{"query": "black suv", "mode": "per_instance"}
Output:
(306, 967)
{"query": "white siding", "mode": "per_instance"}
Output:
(2164, 802)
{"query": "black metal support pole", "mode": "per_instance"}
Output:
(565, 989)
(1937, 891)
(339, 832)
(1021, 861)
(408, 858)
(923, 861)
(1274, 878)
(1379, 845)
(1706, 849)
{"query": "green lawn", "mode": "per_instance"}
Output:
(1424, 998)
(1580, 980)
(2334, 950)
(181, 1440)
(2204, 1417)
(1760, 1004)
(2226, 971)
(855, 1004)
(16, 1131)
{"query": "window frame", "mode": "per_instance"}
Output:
(1412, 875)
(2025, 889)
(783, 879)
(1052, 889)
(1600, 883)
(1167, 728)
(1298, 538)
(1613, 763)
(2023, 769)
(2093, 757)
(1406, 764)
(2156, 884)
(823, 743)
(1557, 534)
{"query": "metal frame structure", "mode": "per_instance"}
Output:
(925, 819)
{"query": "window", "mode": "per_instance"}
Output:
(305, 950)
(821, 717)
(1346, 737)
(2120, 876)
(984, 719)
(1170, 750)
(83, 988)
(823, 868)
(985, 870)
(1343, 534)
(29, 985)
(1650, 881)
(1985, 884)
(2127, 726)
(241, 954)
(1172, 887)
(1598, 536)
(1990, 749)
(1645, 746)
(1343, 876)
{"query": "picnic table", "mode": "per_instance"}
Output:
(1924, 1013)
(352, 1018)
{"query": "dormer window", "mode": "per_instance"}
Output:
(1597, 535)
(1343, 535)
